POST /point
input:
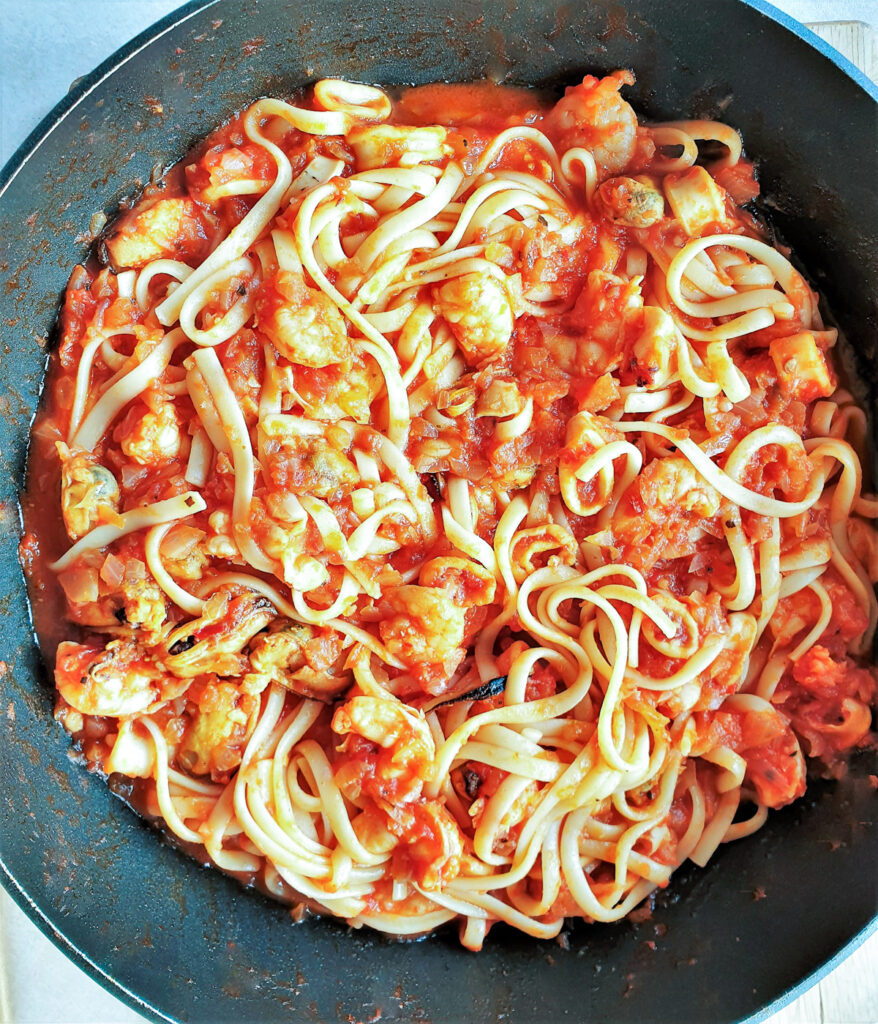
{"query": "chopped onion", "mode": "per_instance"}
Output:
(475, 469)
(180, 541)
(80, 585)
(133, 475)
(135, 571)
(113, 571)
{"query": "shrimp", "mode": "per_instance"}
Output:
(677, 485)
(433, 847)
(387, 722)
(663, 513)
(386, 753)
(500, 398)
(775, 766)
(330, 395)
(286, 543)
(604, 308)
(793, 615)
(427, 627)
(764, 739)
(479, 313)
(155, 437)
(304, 325)
(595, 117)
(464, 581)
(119, 679)
(653, 349)
(550, 543)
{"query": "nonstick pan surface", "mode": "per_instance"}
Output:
(178, 942)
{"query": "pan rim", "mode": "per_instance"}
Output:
(81, 88)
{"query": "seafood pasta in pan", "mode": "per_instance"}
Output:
(449, 507)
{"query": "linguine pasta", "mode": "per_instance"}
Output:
(464, 519)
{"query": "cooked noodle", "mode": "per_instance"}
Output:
(465, 520)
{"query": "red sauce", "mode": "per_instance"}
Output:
(584, 354)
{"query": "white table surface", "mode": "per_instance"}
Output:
(44, 46)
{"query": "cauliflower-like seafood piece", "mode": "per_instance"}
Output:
(155, 438)
(304, 464)
(221, 719)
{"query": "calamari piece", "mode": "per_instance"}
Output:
(168, 229)
(385, 145)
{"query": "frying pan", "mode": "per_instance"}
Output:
(178, 942)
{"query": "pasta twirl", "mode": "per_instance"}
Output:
(463, 519)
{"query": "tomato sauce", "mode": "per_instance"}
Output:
(578, 349)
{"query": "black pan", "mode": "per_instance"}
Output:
(178, 942)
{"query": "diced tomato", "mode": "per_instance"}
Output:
(739, 181)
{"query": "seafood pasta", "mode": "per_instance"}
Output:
(462, 516)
